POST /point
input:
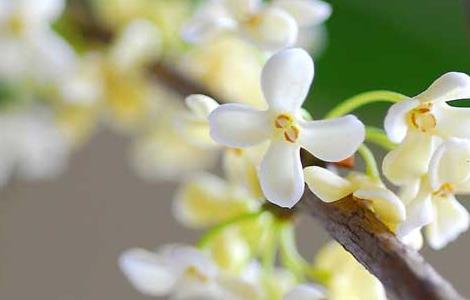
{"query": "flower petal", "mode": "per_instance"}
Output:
(306, 12)
(450, 164)
(200, 30)
(332, 140)
(414, 239)
(201, 105)
(385, 204)
(452, 219)
(286, 79)
(147, 271)
(450, 86)
(305, 292)
(181, 258)
(452, 121)
(409, 160)
(395, 124)
(272, 29)
(44, 10)
(242, 9)
(237, 125)
(419, 212)
(326, 185)
(280, 174)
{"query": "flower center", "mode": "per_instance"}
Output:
(445, 190)
(422, 119)
(16, 24)
(253, 21)
(194, 274)
(287, 128)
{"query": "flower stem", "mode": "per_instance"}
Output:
(378, 137)
(369, 159)
(359, 100)
(205, 240)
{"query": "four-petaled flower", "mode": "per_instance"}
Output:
(285, 82)
(270, 26)
(434, 204)
(420, 123)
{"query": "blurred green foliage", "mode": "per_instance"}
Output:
(398, 45)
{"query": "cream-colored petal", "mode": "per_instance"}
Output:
(450, 164)
(385, 204)
(271, 29)
(410, 160)
(237, 125)
(332, 140)
(187, 258)
(242, 9)
(280, 174)
(419, 212)
(452, 219)
(203, 29)
(306, 12)
(452, 121)
(241, 170)
(305, 292)
(396, 125)
(450, 86)
(414, 239)
(200, 105)
(326, 185)
(44, 10)
(286, 79)
(148, 272)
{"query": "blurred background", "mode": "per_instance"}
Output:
(60, 238)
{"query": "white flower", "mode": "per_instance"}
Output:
(270, 26)
(345, 278)
(28, 45)
(330, 187)
(434, 205)
(421, 122)
(32, 146)
(285, 81)
(305, 292)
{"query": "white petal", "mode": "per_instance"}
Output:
(242, 9)
(200, 30)
(385, 204)
(183, 257)
(306, 12)
(332, 140)
(419, 212)
(305, 292)
(272, 29)
(326, 185)
(201, 105)
(147, 271)
(452, 219)
(452, 121)
(44, 10)
(396, 125)
(409, 160)
(237, 125)
(286, 79)
(280, 174)
(450, 86)
(414, 239)
(450, 164)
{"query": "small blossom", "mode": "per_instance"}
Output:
(434, 205)
(330, 187)
(420, 123)
(270, 26)
(345, 278)
(286, 79)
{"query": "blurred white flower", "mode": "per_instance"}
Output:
(306, 292)
(330, 187)
(29, 46)
(285, 81)
(270, 26)
(345, 278)
(434, 205)
(420, 123)
(31, 146)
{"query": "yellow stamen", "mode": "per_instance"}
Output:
(422, 118)
(445, 190)
(287, 127)
(193, 273)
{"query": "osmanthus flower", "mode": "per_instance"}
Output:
(270, 26)
(419, 124)
(32, 145)
(285, 81)
(330, 187)
(434, 205)
(29, 46)
(344, 277)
